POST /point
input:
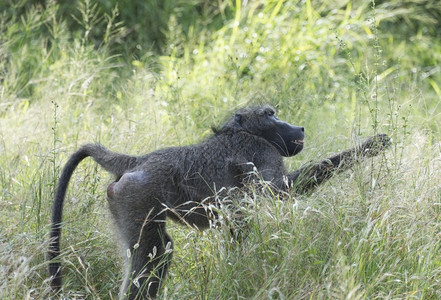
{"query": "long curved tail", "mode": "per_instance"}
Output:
(112, 162)
(57, 216)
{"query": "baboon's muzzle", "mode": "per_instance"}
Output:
(288, 139)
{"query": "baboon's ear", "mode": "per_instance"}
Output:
(238, 119)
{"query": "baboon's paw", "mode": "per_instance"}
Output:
(375, 144)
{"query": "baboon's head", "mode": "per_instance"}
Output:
(261, 121)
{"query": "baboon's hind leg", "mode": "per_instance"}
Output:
(150, 258)
(140, 218)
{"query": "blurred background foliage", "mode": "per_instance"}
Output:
(137, 31)
(149, 24)
(245, 40)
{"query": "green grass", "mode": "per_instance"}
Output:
(344, 71)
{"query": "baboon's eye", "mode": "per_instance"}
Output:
(270, 113)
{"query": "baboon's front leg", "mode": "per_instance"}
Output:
(313, 174)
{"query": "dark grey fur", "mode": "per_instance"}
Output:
(173, 182)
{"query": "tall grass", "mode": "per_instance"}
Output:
(342, 71)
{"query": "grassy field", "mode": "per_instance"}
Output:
(344, 71)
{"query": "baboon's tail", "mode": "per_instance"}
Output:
(57, 214)
(115, 163)
(112, 162)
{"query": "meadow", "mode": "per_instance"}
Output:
(138, 76)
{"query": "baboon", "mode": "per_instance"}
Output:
(173, 183)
